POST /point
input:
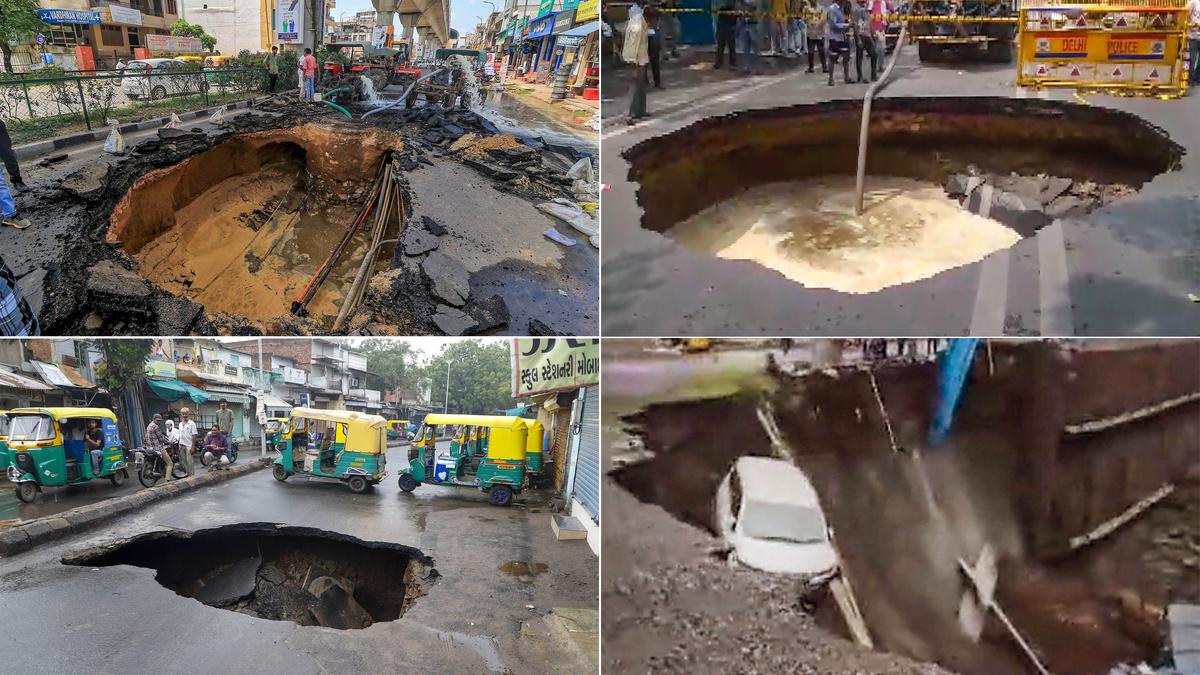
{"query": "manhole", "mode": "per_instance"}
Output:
(307, 576)
(241, 228)
(950, 180)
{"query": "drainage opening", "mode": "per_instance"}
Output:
(949, 182)
(243, 227)
(1013, 477)
(307, 576)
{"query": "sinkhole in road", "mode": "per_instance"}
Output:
(1011, 476)
(949, 181)
(241, 228)
(307, 576)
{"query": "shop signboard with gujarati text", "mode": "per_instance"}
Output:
(544, 365)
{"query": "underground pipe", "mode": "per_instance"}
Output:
(404, 95)
(876, 87)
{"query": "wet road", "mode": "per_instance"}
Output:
(477, 618)
(52, 500)
(511, 116)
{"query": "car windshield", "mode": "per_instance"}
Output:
(138, 64)
(3, 425)
(776, 521)
(31, 428)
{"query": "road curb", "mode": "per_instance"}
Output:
(62, 142)
(23, 537)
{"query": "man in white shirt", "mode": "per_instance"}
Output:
(1193, 34)
(187, 435)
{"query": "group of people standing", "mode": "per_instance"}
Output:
(824, 30)
(161, 435)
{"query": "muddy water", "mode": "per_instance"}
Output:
(807, 231)
(215, 256)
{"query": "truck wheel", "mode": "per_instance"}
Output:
(408, 483)
(27, 491)
(279, 473)
(500, 495)
(158, 93)
(117, 477)
(927, 52)
(358, 484)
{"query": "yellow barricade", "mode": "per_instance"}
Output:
(1137, 46)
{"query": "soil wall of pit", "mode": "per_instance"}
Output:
(923, 139)
(1007, 478)
(330, 153)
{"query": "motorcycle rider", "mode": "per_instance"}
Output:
(156, 441)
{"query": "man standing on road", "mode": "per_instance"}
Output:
(225, 418)
(836, 35)
(309, 64)
(636, 51)
(187, 436)
(10, 160)
(8, 208)
(1193, 42)
(815, 16)
(726, 26)
(156, 440)
(272, 69)
(16, 316)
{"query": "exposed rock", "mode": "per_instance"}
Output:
(433, 226)
(1054, 187)
(93, 322)
(450, 280)
(1067, 205)
(536, 327)
(960, 185)
(88, 181)
(1028, 187)
(171, 132)
(452, 321)
(1018, 211)
(176, 315)
(108, 279)
(490, 314)
(418, 241)
(490, 170)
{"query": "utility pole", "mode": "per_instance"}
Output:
(446, 405)
(262, 424)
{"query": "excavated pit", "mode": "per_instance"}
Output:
(1011, 476)
(307, 576)
(949, 181)
(241, 228)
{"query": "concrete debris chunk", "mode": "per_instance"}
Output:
(453, 321)
(450, 280)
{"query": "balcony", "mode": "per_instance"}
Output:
(326, 383)
(370, 395)
(294, 376)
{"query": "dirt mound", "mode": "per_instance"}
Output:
(475, 147)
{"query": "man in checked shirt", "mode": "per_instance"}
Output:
(16, 316)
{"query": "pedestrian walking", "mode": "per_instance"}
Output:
(16, 316)
(10, 160)
(637, 52)
(156, 441)
(225, 418)
(272, 65)
(837, 34)
(309, 64)
(815, 18)
(727, 20)
(865, 39)
(1193, 35)
(187, 438)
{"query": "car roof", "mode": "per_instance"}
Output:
(766, 479)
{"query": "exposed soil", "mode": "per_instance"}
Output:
(281, 573)
(902, 517)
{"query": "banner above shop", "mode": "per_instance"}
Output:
(174, 43)
(63, 16)
(543, 365)
(118, 14)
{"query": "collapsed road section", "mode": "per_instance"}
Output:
(1008, 508)
(292, 219)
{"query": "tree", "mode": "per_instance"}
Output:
(391, 364)
(18, 21)
(123, 368)
(185, 29)
(480, 377)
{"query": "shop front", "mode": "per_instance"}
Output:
(540, 43)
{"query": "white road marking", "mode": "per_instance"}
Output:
(991, 297)
(1053, 289)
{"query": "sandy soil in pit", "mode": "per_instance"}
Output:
(808, 232)
(213, 258)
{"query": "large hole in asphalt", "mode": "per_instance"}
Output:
(1010, 477)
(242, 228)
(950, 180)
(307, 576)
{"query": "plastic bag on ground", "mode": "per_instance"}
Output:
(115, 143)
(559, 237)
(174, 122)
(219, 116)
(570, 213)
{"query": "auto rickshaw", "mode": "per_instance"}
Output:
(340, 445)
(533, 450)
(46, 449)
(4, 439)
(498, 470)
(275, 429)
(397, 429)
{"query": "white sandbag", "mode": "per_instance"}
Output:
(174, 122)
(582, 170)
(218, 117)
(115, 143)
(572, 215)
(561, 238)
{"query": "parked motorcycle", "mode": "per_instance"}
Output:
(151, 467)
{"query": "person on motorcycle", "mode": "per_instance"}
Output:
(215, 447)
(156, 441)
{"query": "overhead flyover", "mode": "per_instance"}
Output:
(429, 18)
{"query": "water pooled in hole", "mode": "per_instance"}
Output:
(307, 576)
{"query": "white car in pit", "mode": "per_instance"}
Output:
(769, 518)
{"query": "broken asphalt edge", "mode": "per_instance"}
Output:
(23, 537)
(39, 148)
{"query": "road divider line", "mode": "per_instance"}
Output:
(1054, 291)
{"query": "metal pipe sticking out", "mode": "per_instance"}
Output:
(403, 96)
(876, 87)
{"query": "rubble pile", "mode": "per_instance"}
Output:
(1029, 203)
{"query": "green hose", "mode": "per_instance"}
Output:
(339, 108)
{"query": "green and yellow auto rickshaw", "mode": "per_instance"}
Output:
(397, 429)
(275, 429)
(336, 445)
(533, 451)
(498, 471)
(47, 449)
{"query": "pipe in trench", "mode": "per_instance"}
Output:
(876, 87)
(403, 96)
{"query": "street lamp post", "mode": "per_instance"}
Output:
(446, 404)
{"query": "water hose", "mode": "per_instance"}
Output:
(338, 108)
(876, 87)
(403, 96)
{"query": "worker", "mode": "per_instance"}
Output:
(272, 66)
